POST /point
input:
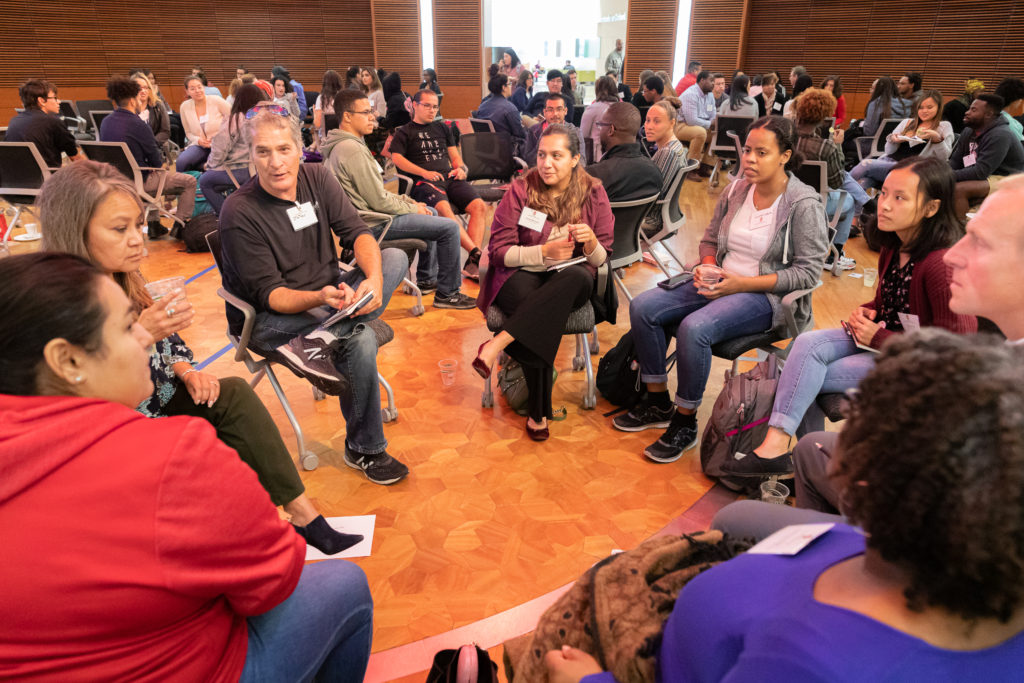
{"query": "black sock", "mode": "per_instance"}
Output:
(660, 399)
(474, 256)
(684, 420)
(321, 536)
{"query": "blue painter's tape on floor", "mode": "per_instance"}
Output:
(200, 274)
(214, 357)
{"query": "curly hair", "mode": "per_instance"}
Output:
(931, 465)
(814, 106)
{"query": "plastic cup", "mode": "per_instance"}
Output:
(707, 276)
(774, 492)
(870, 277)
(448, 366)
(161, 288)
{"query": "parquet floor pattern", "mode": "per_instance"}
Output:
(487, 519)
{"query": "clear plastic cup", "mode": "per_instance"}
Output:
(707, 276)
(774, 492)
(161, 288)
(448, 366)
(870, 277)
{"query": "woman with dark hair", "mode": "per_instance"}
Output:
(803, 82)
(284, 95)
(925, 134)
(885, 103)
(104, 507)
(917, 224)
(739, 102)
(398, 103)
(523, 90)
(766, 238)
(605, 93)
(502, 113)
(329, 87)
(230, 150)
(352, 79)
(430, 81)
(834, 85)
(92, 211)
(770, 101)
(202, 116)
(510, 65)
(574, 221)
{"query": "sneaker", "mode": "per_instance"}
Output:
(643, 416)
(311, 356)
(845, 263)
(155, 230)
(426, 286)
(458, 300)
(676, 440)
(471, 271)
(380, 468)
(751, 465)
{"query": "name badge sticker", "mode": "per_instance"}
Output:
(790, 540)
(777, 106)
(970, 160)
(532, 219)
(302, 216)
(203, 119)
(910, 322)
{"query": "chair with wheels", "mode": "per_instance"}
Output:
(491, 163)
(22, 174)
(626, 249)
(815, 175)
(117, 155)
(672, 217)
(481, 125)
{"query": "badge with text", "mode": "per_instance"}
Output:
(777, 106)
(532, 219)
(302, 216)
(910, 322)
(970, 160)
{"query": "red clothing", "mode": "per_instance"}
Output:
(134, 548)
(684, 83)
(840, 110)
(929, 296)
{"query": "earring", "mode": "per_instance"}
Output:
(78, 379)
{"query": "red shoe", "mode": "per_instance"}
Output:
(482, 368)
(541, 434)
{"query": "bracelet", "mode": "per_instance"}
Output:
(185, 374)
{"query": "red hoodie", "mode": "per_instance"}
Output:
(133, 548)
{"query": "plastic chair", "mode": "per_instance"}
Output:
(725, 146)
(815, 174)
(97, 116)
(626, 249)
(672, 217)
(407, 244)
(481, 125)
(73, 120)
(22, 174)
(876, 148)
(118, 155)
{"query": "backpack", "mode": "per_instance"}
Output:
(739, 420)
(468, 664)
(193, 234)
(618, 374)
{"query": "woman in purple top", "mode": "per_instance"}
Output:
(555, 213)
(930, 586)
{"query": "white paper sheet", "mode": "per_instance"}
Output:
(348, 525)
(790, 540)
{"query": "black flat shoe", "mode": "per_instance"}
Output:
(752, 465)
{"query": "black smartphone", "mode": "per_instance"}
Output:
(675, 281)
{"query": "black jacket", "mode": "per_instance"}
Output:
(627, 173)
(997, 151)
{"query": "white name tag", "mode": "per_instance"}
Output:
(790, 540)
(532, 219)
(970, 160)
(203, 119)
(777, 106)
(910, 322)
(302, 216)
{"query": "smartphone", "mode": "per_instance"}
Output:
(675, 281)
(348, 310)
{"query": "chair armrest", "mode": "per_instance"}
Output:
(789, 308)
(152, 168)
(406, 182)
(522, 164)
(604, 276)
(249, 314)
(833, 220)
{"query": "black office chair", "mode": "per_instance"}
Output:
(874, 146)
(86, 106)
(577, 115)
(117, 155)
(626, 249)
(22, 174)
(725, 146)
(76, 125)
(480, 125)
(488, 156)
(672, 217)
(97, 117)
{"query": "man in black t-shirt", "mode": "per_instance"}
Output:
(425, 149)
(41, 124)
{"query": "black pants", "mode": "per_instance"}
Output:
(243, 423)
(536, 307)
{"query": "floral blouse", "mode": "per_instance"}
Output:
(169, 351)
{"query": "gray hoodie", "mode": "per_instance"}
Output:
(797, 250)
(349, 159)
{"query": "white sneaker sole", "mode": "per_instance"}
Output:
(663, 461)
(286, 351)
(649, 425)
(382, 482)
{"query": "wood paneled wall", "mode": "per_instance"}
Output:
(650, 37)
(715, 33)
(396, 39)
(458, 54)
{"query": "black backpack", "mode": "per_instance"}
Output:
(618, 374)
(193, 234)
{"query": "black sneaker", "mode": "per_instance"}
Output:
(457, 300)
(750, 465)
(311, 356)
(644, 416)
(426, 286)
(155, 230)
(676, 440)
(380, 468)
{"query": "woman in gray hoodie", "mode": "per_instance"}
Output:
(767, 238)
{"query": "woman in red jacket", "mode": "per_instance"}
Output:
(917, 224)
(140, 549)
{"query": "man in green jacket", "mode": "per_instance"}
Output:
(349, 159)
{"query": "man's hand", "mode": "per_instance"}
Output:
(337, 297)
(423, 209)
(457, 173)
(569, 665)
(202, 387)
(376, 285)
(167, 316)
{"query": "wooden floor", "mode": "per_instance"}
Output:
(488, 520)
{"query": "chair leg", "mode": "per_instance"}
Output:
(14, 222)
(487, 398)
(622, 286)
(649, 248)
(308, 459)
(595, 344)
(390, 414)
(590, 397)
(664, 245)
(412, 288)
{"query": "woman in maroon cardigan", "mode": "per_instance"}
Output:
(554, 214)
(917, 224)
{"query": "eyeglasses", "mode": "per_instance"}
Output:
(432, 107)
(52, 97)
(368, 112)
(272, 108)
(549, 110)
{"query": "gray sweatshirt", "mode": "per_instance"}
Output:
(350, 160)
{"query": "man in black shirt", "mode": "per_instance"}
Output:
(425, 149)
(539, 101)
(627, 173)
(40, 123)
(555, 108)
(277, 244)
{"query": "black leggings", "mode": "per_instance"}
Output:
(536, 308)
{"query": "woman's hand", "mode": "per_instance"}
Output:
(729, 284)
(838, 135)
(862, 324)
(569, 665)
(558, 250)
(202, 387)
(204, 142)
(929, 135)
(583, 233)
(167, 316)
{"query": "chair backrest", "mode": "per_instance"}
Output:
(117, 155)
(22, 172)
(671, 214)
(884, 130)
(577, 114)
(815, 175)
(628, 218)
(67, 108)
(488, 156)
(97, 117)
(588, 150)
(481, 125)
(213, 241)
(311, 96)
(723, 144)
(86, 106)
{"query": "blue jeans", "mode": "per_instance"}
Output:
(445, 267)
(698, 323)
(845, 217)
(860, 197)
(192, 158)
(322, 631)
(215, 183)
(872, 172)
(820, 361)
(355, 358)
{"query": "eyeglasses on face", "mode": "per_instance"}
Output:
(549, 110)
(432, 107)
(365, 112)
(272, 108)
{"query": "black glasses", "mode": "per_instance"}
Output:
(367, 112)
(272, 108)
